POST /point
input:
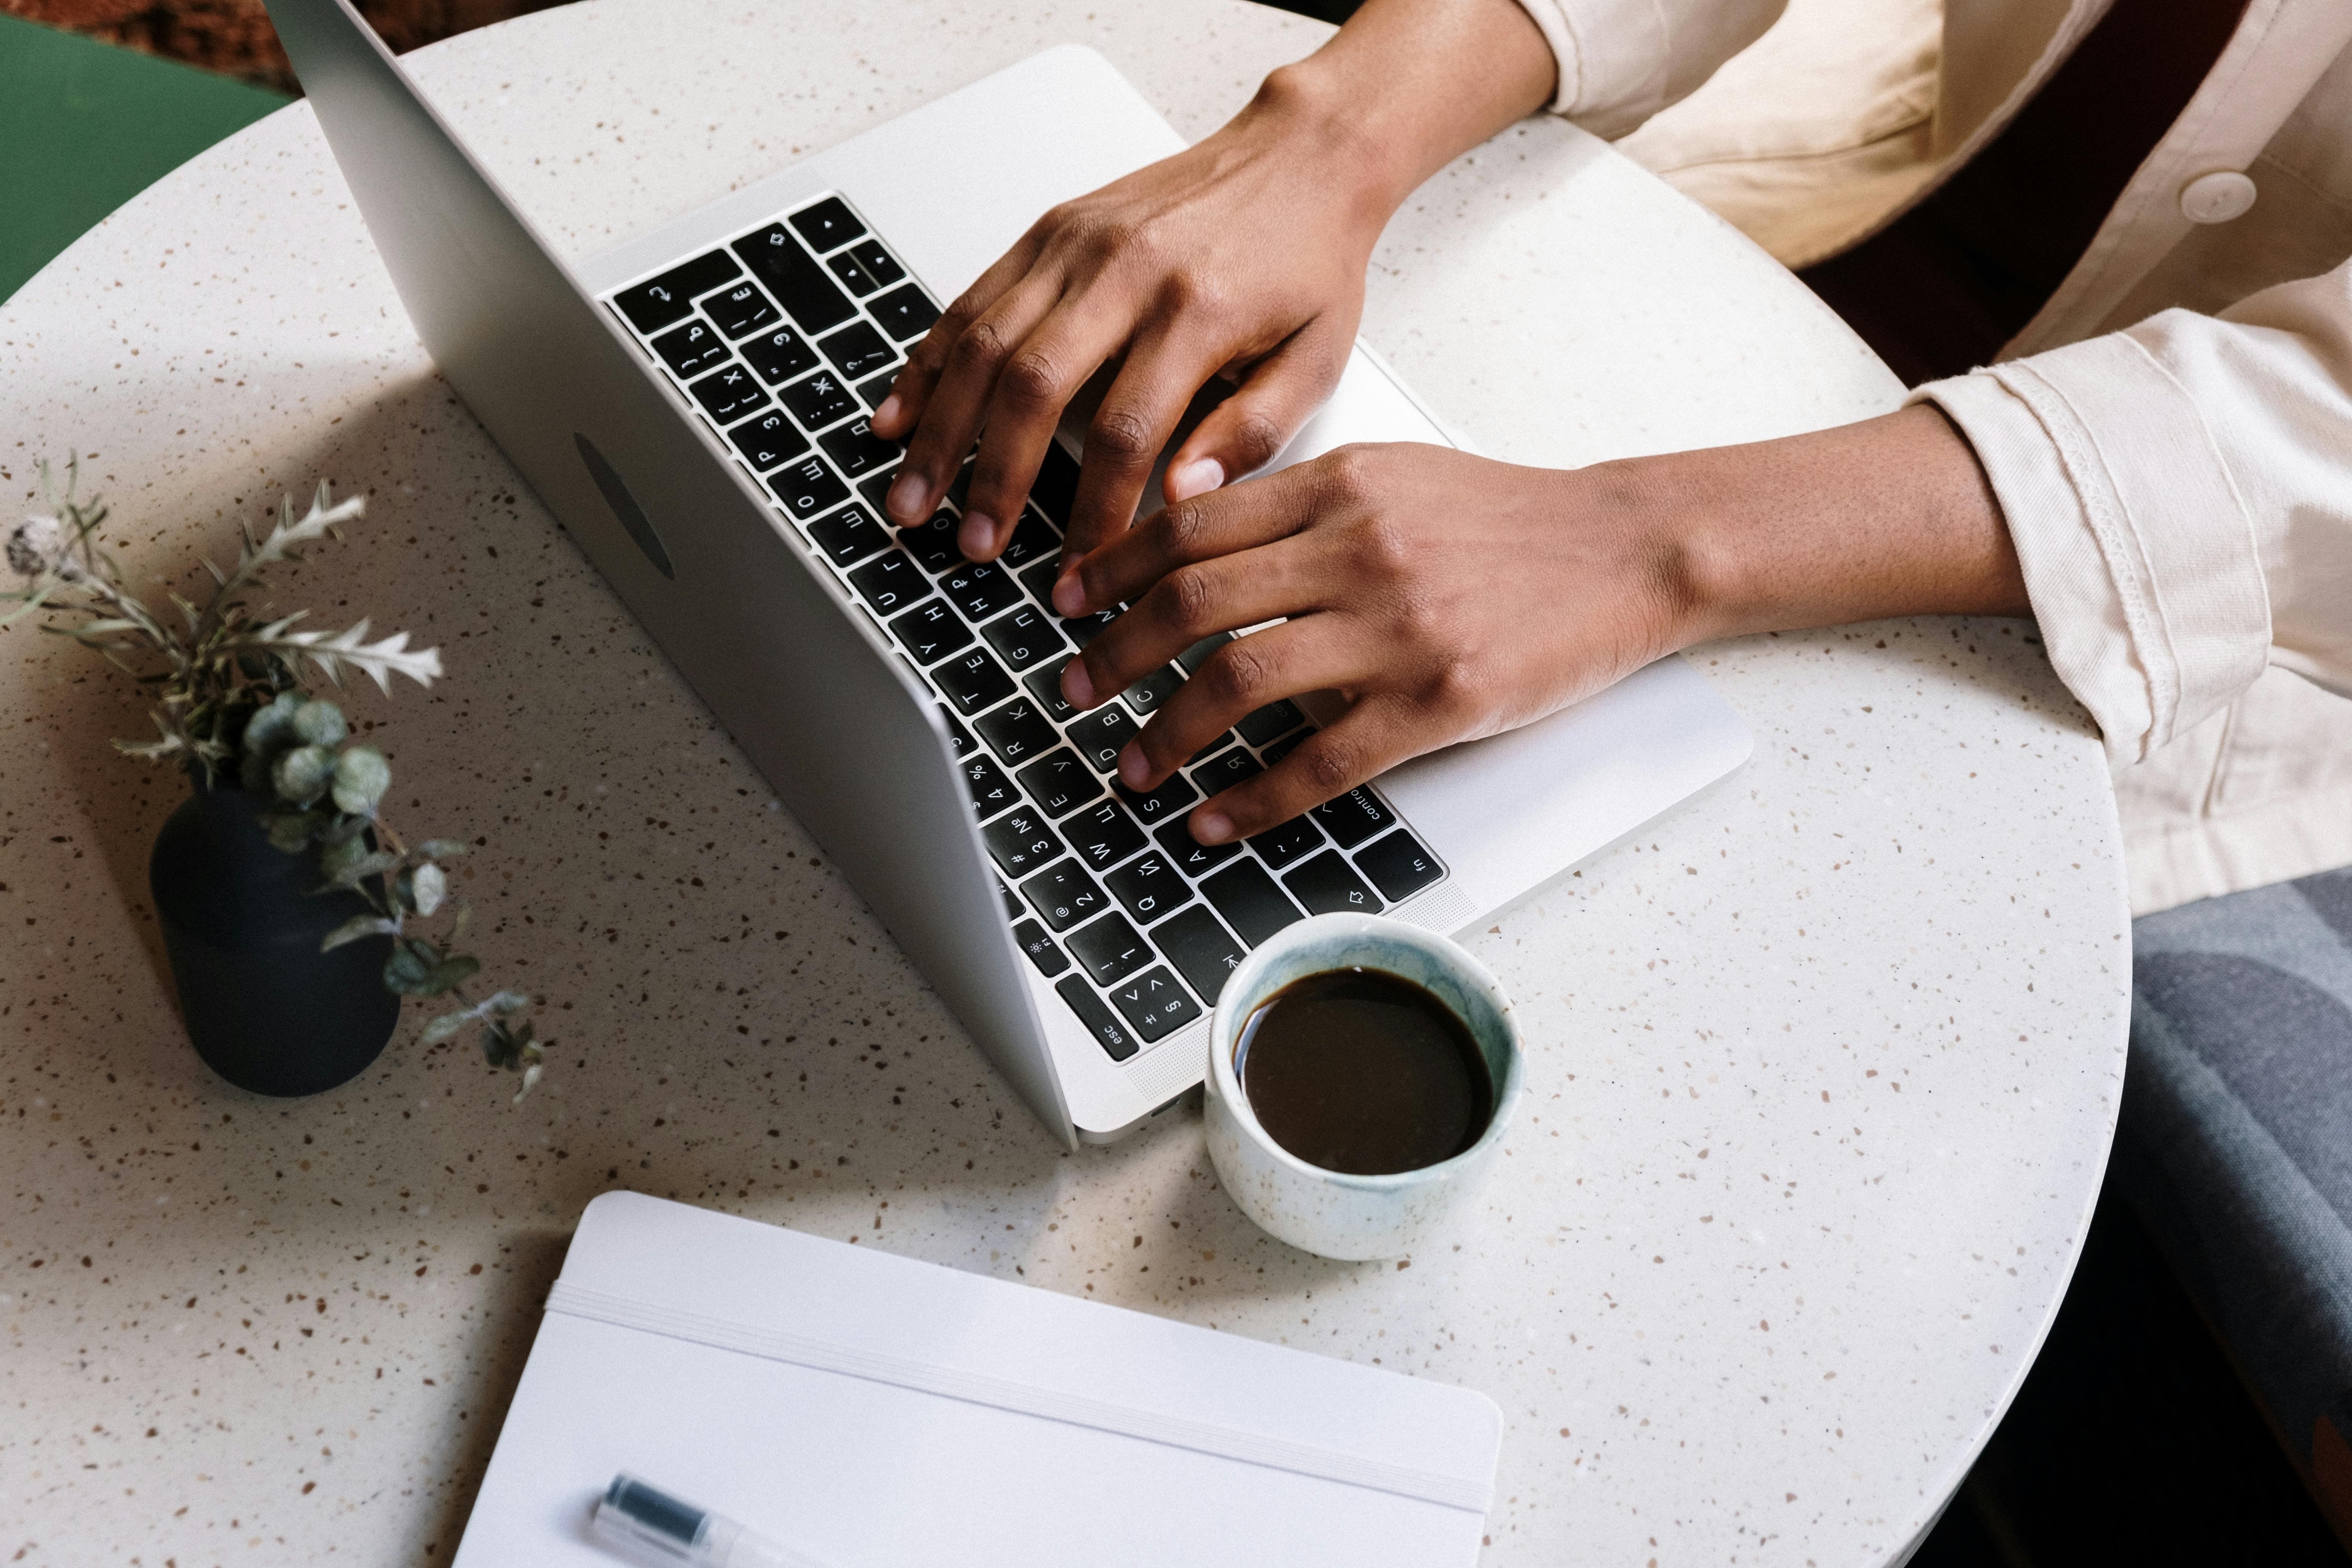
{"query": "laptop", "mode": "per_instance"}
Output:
(691, 405)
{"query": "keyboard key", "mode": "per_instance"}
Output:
(1271, 754)
(857, 351)
(1328, 885)
(1110, 950)
(1250, 901)
(1056, 485)
(1017, 731)
(808, 487)
(959, 737)
(959, 487)
(805, 291)
(1100, 735)
(905, 312)
(973, 681)
(1109, 1033)
(879, 263)
(853, 274)
(989, 790)
(1084, 629)
(1064, 895)
(1285, 841)
(1193, 859)
(1148, 694)
(827, 224)
(889, 582)
(1148, 887)
(874, 391)
(1353, 818)
(1020, 842)
(691, 349)
(1274, 718)
(1024, 638)
(1225, 771)
(778, 355)
(1155, 1004)
(739, 309)
(1039, 577)
(1203, 951)
(1398, 866)
(1012, 910)
(857, 451)
(930, 631)
(1169, 801)
(767, 439)
(1104, 835)
(1059, 783)
(980, 589)
(1042, 949)
(651, 306)
(933, 545)
(1211, 750)
(1193, 658)
(1045, 686)
(1033, 540)
(818, 401)
(729, 393)
(848, 536)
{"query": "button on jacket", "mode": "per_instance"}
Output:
(2170, 438)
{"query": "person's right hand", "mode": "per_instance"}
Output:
(1244, 255)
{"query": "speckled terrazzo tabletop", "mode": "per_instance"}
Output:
(1823, 1068)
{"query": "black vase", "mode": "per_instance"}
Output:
(265, 1009)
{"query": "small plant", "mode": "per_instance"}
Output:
(230, 699)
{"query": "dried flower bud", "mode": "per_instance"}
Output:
(38, 546)
(362, 775)
(301, 774)
(320, 724)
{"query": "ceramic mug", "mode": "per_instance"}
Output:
(1331, 1213)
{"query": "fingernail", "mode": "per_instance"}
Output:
(1214, 828)
(1075, 686)
(1132, 769)
(888, 412)
(977, 537)
(911, 496)
(1069, 594)
(1196, 477)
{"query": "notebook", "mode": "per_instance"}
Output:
(875, 1412)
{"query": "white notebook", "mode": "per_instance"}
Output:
(879, 1413)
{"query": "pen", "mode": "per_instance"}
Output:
(632, 1510)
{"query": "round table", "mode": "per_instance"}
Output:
(1823, 1069)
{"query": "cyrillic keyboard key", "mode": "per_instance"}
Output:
(1016, 732)
(1020, 842)
(1148, 694)
(1225, 769)
(741, 309)
(818, 401)
(1064, 895)
(1056, 485)
(973, 681)
(1039, 576)
(1155, 1004)
(655, 304)
(1286, 841)
(958, 736)
(1353, 818)
(1059, 783)
(805, 291)
(875, 489)
(1193, 658)
(848, 536)
(1012, 910)
(728, 394)
(807, 488)
(829, 225)
(1250, 901)
(1042, 949)
(1045, 686)
(857, 351)
(874, 389)
(1104, 835)
(989, 790)
(1100, 735)
(691, 349)
(1024, 636)
(1274, 718)
(855, 451)
(778, 355)
(1084, 629)
(1398, 866)
(933, 545)
(981, 590)
(767, 439)
(1110, 950)
(1148, 887)
(879, 264)
(1162, 805)
(1271, 754)
(1328, 884)
(889, 582)
(1033, 539)
(930, 631)
(905, 312)
(852, 273)
(1203, 951)
(1107, 1031)
(1193, 859)
(1211, 750)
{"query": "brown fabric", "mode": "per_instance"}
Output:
(1940, 289)
(2331, 1477)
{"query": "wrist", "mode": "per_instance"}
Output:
(1324, 120)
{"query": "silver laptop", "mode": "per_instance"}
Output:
(692, 406)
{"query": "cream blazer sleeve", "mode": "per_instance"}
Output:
(2180, 494)
(1621, 61)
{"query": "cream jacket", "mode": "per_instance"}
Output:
(2171, 438)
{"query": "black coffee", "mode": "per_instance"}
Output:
(1365, 1073)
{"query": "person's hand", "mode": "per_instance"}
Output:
(1445, 597)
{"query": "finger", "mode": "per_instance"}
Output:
(1212, 527)
(1137, 416)
(910, 392)
(951, 417)
(1280, 394)
(1034, 386)
(1311, 653)
(1192, 602)
(1377, 734)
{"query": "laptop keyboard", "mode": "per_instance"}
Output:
(786, 339)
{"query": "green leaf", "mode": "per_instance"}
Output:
(362, 775)
(442, 1027)
(290, 831)
(360, 869)
(428, 885)
(320, 724)
(358, 928)
(454, 969)
(410, 969)
(444, 848)
(507, 1002)
(271, 729)
(499, 1047)
(300, 775)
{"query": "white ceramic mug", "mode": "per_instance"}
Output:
(1331, 1213)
